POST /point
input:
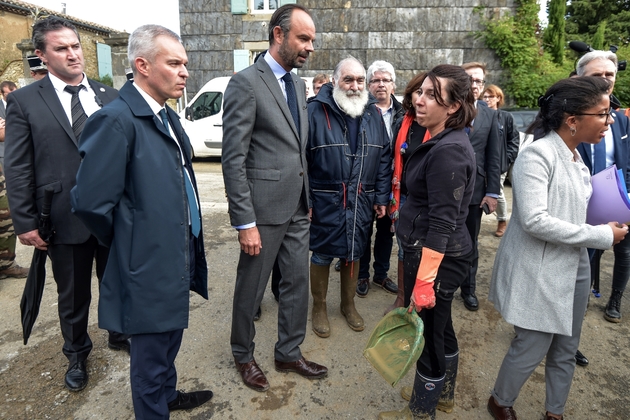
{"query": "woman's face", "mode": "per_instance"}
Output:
(429, 113)
(414, 97)
(491, 99)
(591, 125)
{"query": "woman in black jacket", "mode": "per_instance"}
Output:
(493, 96)
(439, 178)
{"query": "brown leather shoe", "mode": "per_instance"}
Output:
(500, 413)
(548, 417)
(252, 375)
(14, 271)
(310, 370)
(501, 226)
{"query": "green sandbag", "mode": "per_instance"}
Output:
(395, 344)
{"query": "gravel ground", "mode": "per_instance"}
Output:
(31, 376)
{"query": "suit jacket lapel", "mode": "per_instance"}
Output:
(274, 87)
(100, 94)
(179, 132)
(51, 100)
(617, 142)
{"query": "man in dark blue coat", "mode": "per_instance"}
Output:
(613, 149)
(137, 194)
(349, 168)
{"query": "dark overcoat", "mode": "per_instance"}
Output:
(131, 194)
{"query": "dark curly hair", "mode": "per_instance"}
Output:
(565, 98)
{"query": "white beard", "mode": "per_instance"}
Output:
(353, 105)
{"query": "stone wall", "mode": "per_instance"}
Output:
(413, 35)
(16, 30)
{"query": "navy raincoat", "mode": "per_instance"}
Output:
(344, 186)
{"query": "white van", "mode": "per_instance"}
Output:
(203, 117)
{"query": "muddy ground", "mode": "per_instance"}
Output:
(31, 376)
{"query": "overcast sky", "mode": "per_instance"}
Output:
(123, 15)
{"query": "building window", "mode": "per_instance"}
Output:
(263, 6)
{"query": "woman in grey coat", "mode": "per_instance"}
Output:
(540, 281)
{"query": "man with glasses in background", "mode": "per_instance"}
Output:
(613, 149)
(381, 79)
(485, 140)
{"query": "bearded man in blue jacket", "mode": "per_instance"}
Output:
(349, 169)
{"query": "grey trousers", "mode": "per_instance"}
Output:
(530, 347)
(289, 242)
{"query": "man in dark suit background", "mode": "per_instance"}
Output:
(265, 130)
(485, 140)
(8, 266)
(6, 87)
(136, 192)
(613, 149)
(44, 122)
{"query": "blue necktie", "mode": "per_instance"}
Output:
(599, 158)
(292, 99)
(195, 217)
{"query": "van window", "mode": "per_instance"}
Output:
(206, 105)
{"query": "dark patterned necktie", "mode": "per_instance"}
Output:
(195, 216)
(292, 99)
(76, 110)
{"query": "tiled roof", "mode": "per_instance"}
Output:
(29, 9)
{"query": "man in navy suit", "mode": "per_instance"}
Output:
(485, 140)
(613, 149)
(45, 121)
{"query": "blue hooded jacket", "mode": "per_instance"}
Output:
(344, 186)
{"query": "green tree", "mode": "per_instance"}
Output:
(554, 35)
(598, 38)
(516, 40)
(529, 69)
(584, 17)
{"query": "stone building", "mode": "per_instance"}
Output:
(104, 49)
(223, 36)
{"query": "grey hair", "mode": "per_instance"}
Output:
(50, 24)
(142, 43)
(595, 55)
(382, 66)
(337, 72)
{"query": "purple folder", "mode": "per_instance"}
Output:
(609, 202)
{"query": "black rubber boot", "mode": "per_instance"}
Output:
(447, 398)
(424, 400)
(613, 308)
(425, 396)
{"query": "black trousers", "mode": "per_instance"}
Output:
(473, 224)
(383, 243)
(72, 269)
(439, 335)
